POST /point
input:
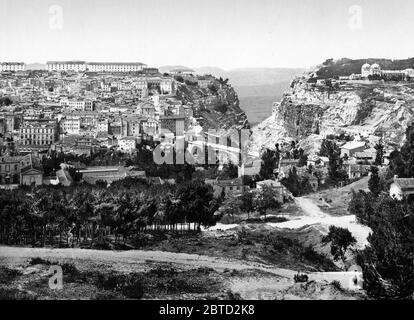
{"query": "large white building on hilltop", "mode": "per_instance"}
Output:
(76, 66)
(12, 66)
(115, 66)
(81, 66)
(375, 69)
(370, 70)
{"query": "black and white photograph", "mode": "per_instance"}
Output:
(227, 151)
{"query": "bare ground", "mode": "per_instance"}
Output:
(193, 276)
(243, 261)
(335, 201)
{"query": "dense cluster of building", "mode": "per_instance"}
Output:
(80, 107)
(12, 66)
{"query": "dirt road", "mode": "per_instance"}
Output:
(271, 281)
(137, 258)
(313, 215)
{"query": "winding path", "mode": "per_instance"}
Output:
(313, 215)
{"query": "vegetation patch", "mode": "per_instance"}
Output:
(8, 275)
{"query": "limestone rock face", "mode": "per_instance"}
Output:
(216, 107)
(366, 109)
(369, 110)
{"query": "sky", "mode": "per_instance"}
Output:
(221, 33)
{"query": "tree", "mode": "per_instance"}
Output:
(292, 182)
(266, 200)
(397, 164)
(407, 152)
(5, 101)
(327, 148)
(213, 88)
(179, 79)
(268, 164)
(387, 263)
(379, 158)
(230, 171)
(340, 239)
(331, 150)
(374, 183)
(303, 158)
(197, 203)
(247, 202)
(402, 162)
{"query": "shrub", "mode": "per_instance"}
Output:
(15, 294)
(299, 277)
(221, 107)
(233, 295)
(70, 272)
(38, 260)
(129, 285)
(337, 285)
(7, 275)
(340, 239)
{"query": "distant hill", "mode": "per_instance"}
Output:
(166, 69)
(35, 66)
(246, 76)
(260, 76)
(346, 67)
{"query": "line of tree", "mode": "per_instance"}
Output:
(50, 215)
(262, 201)
(387, 262)
(336, 170)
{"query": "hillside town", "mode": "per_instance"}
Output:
(84, 109)
(221, 152)
(60, 120)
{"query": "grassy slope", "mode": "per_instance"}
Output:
(335, 201)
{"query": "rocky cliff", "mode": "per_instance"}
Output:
(215, 106)
(368, 110)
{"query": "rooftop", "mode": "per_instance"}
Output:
(12, 63)
(405, 183)
(117, 63)
(353, 145)
(66, 62)
(172, 117)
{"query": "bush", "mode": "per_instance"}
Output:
(299, 277)
(130, 285)
(106, 296)
(179, 79)
(70, 272)
(233, 295)
(7, 275)
(337, 285)
(37, 260)
(221, 107)
(15, 294)
(276, 219)
(212, 88)
(340, 239)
